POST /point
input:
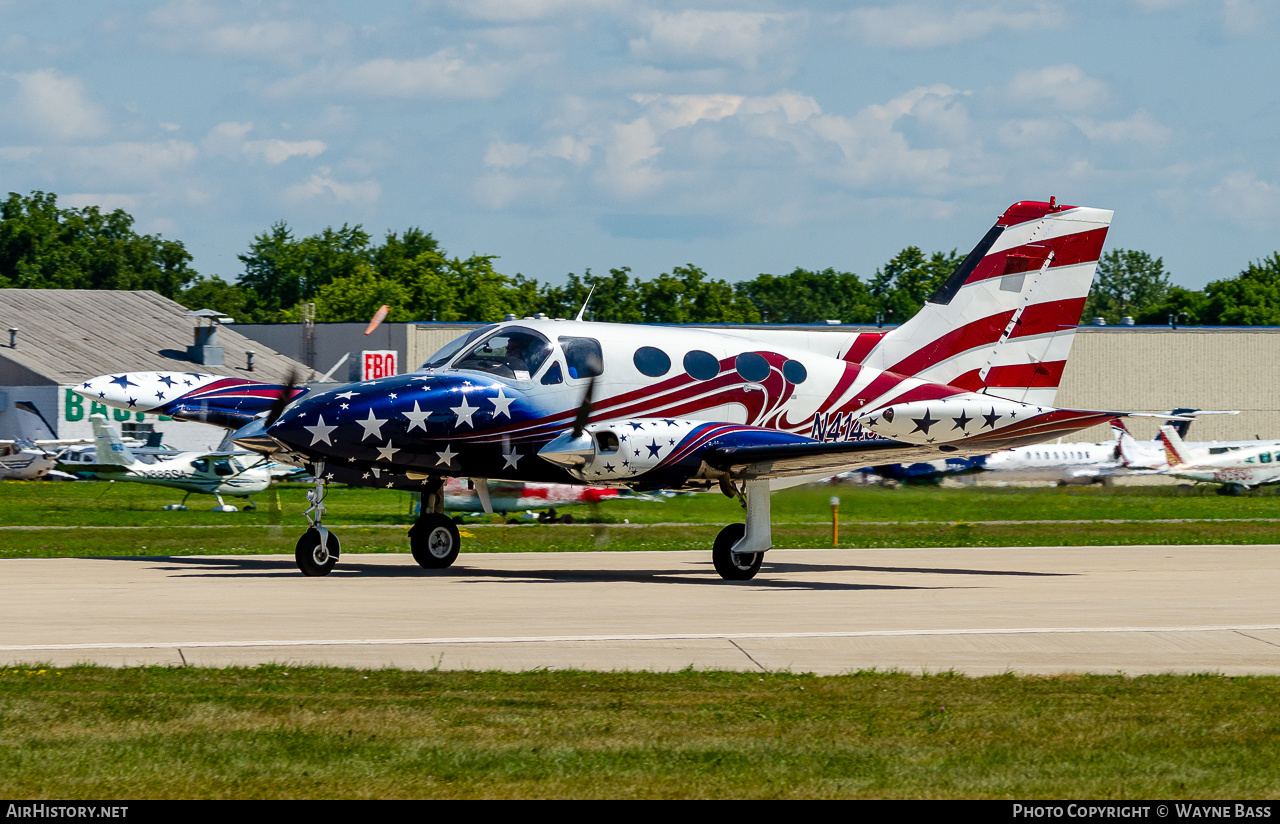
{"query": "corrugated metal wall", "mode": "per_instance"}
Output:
(1155, 370)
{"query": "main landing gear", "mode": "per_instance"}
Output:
(739, 548)
(434, 538)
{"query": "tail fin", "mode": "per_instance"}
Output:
(1174, 449)
(110, 449)
(1003, 323)
(1124, 442)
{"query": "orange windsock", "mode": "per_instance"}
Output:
(378, 317)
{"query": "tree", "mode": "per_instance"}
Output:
(45, 247)
(1128, 283)
(809, 297)
(282, 272)
(1252, 298)
(908, 280)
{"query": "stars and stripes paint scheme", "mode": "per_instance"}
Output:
(558, 401)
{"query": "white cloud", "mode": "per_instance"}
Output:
(187, 24)
(441, 75)
(105, 202)
(1241, 17)
(916, 26)
(228, 140)
(525, 11)
(700, 36)
(1065, 87)
(56, 106)
(322, 186)
(677, 145)
(1140, 128)
(1242, 198)
(132, 162)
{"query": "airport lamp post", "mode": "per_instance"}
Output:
(835, 520)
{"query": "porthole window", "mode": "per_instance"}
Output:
(794, 371)
(652, 361)
(752, 367)
(701, 366)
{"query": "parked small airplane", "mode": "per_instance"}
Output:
(1236, 469)
(25, 460)
(210, 473)
(461, 495)
(559, 401)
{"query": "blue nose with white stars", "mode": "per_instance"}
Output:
(405, 419)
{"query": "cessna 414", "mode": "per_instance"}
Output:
(557, 401)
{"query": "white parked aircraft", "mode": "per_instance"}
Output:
(28, 460)
(1236, 469)
(209, 473)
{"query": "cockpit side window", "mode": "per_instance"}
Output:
(453, 347)
(513, 352)
(583, 356)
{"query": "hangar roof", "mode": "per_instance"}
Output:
(68, 335)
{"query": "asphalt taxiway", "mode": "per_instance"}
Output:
(1131, 609)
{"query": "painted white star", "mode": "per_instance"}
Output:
(372, 426)
(385, 452)
(446, 457)
(392, 396)
(464, 413)
(417, 418)
(501, 404)
(510, 459)
(348, 395)
(320, 432)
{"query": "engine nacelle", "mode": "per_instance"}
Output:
(947, 419)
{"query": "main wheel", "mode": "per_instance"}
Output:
(434, 541)
(314, 556)
(731, 566)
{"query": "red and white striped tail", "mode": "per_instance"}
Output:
(1004, 321)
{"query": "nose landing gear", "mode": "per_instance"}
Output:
(318, 549)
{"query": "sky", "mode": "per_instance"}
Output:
(565, 135)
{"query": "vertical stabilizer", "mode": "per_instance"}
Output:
(1003, 323)
(110, 449)
(1174, 449)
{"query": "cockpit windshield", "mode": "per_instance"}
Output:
(513, 352)
(453, 347)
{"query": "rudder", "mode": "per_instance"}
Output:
(1004, 321)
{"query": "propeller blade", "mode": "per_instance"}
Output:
(286, 395)
(584, 410)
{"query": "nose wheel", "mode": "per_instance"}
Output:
(317, 552)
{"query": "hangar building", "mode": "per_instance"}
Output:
(52, 340)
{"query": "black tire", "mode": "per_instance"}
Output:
(566, 519)
(731, 567)
(435, 542)
(315, 558)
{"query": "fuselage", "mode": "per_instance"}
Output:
(487, 404)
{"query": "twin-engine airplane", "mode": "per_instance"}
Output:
(557, 401)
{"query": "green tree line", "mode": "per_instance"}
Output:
(348, 274)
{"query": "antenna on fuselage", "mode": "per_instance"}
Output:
(585, 302)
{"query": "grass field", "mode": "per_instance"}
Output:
(274, 732)
(128, 519)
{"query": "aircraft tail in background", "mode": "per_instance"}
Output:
(110, 449)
